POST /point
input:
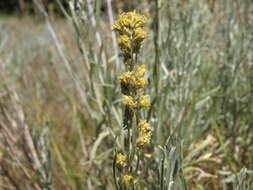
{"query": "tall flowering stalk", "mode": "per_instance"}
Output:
(130, 27)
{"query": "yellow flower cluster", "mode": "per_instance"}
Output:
(144, 139)
(133, 80)
(144, 126)
(124, 42)
(131, 34)
(130, 27)
(144, 133)
(139, 71)
(127, 179)
(141, 102)
(129, 21)
(120, 159)
(125, 77)
(144, 101)
(129, 102)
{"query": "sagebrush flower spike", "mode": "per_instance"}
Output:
(130, 27)
(120, 159)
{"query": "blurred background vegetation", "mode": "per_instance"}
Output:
(60, 102)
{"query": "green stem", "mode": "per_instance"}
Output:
(223, 146)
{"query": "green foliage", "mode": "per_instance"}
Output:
(60, 101)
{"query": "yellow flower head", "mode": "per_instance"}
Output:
(140, 83)
(131, 34)
(120, 159)
(144, 133)
(133, 80)
(138, 80)
(143, 101)
(124, 42)
(127, 179)
(144, 138)
(128, 21)
(129, 102)
(125, 77)
(139, 35)
(139, 70)
(144, 126)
